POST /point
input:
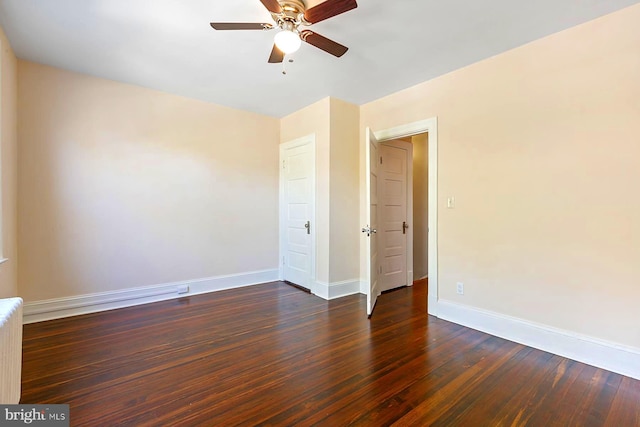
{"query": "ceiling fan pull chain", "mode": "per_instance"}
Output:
(287, 59)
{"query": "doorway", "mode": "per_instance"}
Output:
(373, 139)
(420, 234)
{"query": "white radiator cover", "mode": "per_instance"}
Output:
(10, 350)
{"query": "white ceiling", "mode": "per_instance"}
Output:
(168, 44)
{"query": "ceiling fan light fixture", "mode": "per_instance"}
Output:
(287, 41)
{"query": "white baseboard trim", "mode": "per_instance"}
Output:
(321, 289)
(432, 305)
(364, 286)
(344, 288)
(335, 290)
(592, 351)
(38, 311)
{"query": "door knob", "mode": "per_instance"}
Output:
(369, 230)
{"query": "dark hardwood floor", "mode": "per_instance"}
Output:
(274, 355)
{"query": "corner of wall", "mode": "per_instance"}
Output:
(344, 195)
(8, 157)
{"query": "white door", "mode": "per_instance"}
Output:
(370, 230)
(394, 216)
(297, 211)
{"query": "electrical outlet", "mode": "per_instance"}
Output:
(460, 288)
(183, 289)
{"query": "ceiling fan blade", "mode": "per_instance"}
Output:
(321, 42)
(329, 9)
(277, 55)
(240, 26)
(272, 5)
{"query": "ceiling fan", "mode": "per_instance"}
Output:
(289, 16)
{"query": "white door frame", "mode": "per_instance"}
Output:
(309, 139)
(431, 126)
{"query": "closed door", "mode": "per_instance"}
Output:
(394, 218)
(297, 184)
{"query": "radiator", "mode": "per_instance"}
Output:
(10, 350)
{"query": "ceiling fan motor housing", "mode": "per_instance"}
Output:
(291, 16)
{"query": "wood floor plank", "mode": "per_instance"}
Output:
(274, 355)
(622, 413)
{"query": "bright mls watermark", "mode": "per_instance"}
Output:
(34, 415)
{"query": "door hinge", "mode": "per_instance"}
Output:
(283, 164)
(380, 159)
(282, 260)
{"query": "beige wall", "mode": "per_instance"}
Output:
(121, 186)
(8, 165)
(420, 205)
(540, 148)
(345, 192)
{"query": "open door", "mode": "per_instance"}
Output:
(371, 228)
